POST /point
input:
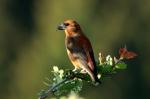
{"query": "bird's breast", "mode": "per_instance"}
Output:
(71, 43)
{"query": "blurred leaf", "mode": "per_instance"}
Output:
(121, 66)
(72, 85)
(104, 69)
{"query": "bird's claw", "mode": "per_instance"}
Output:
(83, 71)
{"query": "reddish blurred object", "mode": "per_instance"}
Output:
(125, 54)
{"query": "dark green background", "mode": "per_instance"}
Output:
(30, 44)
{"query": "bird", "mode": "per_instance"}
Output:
(79, 49)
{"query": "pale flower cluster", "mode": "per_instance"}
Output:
(108, 60)
(59, 71)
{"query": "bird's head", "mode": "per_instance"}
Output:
(70, 27)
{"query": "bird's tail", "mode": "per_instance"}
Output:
(91, 73)
(93, 76)
(97, 81)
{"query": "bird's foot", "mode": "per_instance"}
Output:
(83, 71)
(76, 70)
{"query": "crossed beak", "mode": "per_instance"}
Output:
(61, 27)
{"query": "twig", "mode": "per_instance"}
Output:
(68, 76)
(52, 89)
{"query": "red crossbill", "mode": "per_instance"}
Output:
(79, 48)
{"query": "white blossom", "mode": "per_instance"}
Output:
(55, 68)
(109, 60)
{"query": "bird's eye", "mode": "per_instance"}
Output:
(66, 24)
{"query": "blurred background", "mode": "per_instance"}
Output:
(30, 44)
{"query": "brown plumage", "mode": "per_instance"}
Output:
(79, 48)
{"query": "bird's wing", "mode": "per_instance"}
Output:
(80, 48)
(86, 46)
(91, 60)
